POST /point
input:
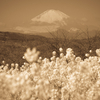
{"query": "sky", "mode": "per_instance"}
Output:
(14, 13)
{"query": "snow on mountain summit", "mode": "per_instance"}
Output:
(51, 16)
(51, 21)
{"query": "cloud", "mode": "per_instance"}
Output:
(18, 28)
(34, 29)
(22, 29)
(73, 29)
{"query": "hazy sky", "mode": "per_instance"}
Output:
(15, 13)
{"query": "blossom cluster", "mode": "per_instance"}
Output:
(66, 77)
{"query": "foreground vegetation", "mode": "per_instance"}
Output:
(13, 45)
(66, 77)
(64, 74)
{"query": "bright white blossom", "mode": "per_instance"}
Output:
(98, 52)
(87, 55)
(58, 78)
(61, 49)
(31, 56)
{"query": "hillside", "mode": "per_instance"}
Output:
(13, 45)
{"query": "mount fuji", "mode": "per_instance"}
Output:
(51, 17)
(53, 20)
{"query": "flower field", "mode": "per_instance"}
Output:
(66, 77)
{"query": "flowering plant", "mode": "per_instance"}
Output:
(66, 77)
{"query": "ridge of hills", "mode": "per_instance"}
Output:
(18, 36)
(14, 45)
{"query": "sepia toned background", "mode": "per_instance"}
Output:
(14, 13)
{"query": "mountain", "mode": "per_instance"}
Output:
(50, 20)
(54, 20)
(50, 17)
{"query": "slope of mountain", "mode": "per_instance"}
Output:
(54, 20)
(50, 17)
(50, 20)
(18, 36)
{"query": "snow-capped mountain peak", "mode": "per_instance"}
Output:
(54, 20)
(51, 16)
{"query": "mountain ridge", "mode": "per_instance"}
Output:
(51, 16)
(54, 20)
